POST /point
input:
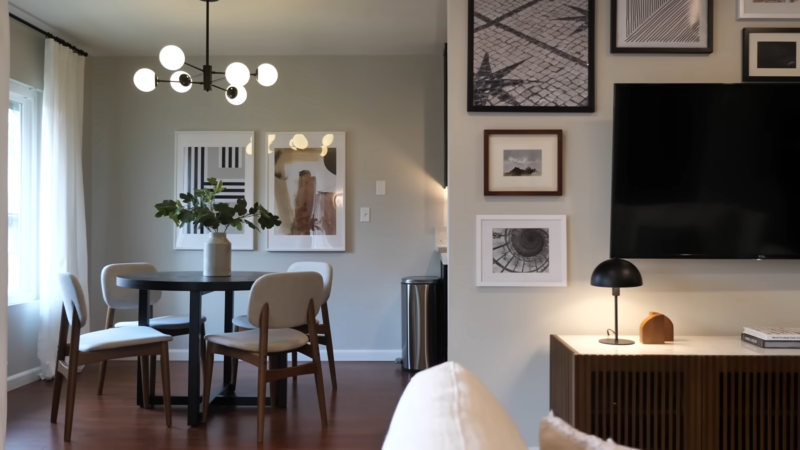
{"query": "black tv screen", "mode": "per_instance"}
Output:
(706, 171)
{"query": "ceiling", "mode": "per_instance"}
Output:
(247, 27)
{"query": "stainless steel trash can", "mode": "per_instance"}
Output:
(419, 322)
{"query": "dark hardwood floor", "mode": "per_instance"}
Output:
(359, 413)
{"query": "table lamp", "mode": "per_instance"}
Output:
(615, 274)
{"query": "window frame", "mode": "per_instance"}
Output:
(31, 100)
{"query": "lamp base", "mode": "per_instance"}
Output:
(617, 342)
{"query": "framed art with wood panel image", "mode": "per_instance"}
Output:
(522, 162)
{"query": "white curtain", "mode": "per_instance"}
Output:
(62, 240)
(4, 74)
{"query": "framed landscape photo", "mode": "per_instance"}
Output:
(768, 9)
(226, 156)
(534, 56)
(662, 26)
(522, 162)
(522, 251)
(306, 181)
(770, 54)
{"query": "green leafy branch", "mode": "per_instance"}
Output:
(200, 209)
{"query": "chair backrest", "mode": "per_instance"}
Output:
(72, 296)
(324, 269)
(288, 295)
(123, 298)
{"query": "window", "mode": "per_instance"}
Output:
(23, 167)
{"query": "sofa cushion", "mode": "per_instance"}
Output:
(448, 408)
(556, 434)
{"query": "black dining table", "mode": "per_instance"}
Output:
(198, 285)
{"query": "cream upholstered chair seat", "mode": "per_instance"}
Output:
(242, 322)
(279, 340)
(162, 322)
(120, 337)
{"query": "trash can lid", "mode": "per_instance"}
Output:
(421, 280)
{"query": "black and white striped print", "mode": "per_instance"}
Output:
(668, 21)
(194, 178)
(229, 157)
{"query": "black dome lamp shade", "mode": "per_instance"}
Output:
(615, 274)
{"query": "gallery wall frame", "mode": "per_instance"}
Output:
(760, 10)
(306, 189)
(521, 251)
(523, 162)
(225, 155)
(662, 27)
(537, 57)
(770, 54)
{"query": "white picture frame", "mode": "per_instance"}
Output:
(307, 169)
(521, 251)
(206, 150)
(750, 10)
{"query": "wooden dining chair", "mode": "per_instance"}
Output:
(279, 303)
(323, 329)
(103, 345)
(119, 298)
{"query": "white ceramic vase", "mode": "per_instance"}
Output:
(217, 256)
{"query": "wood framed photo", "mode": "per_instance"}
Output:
(662, 26)
(306, 187)
(522, 251)
(522, 162)
(770, 54)
(768, 9)
(535, 56)
(226, 156)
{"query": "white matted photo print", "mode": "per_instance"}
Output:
(768, 9)
(306, 181)
(522, 251)
(522, 162)
(771, 54)
(226, 156)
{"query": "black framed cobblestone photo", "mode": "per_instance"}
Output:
(531, 56)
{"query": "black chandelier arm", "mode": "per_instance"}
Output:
(176, 81)
(221, 89)
(193, 66)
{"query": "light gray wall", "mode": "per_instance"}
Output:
(392, 111)
(502, 333)
(27, 66)
(27, 55)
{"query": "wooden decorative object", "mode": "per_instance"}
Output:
(656, 329)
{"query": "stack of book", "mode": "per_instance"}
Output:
(771, 337)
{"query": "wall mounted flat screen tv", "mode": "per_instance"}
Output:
(709, 171)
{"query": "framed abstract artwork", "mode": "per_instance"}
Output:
(522, 251)
(768, 9)
(306, 185)
(536, 56)
(662, 26)
(522, 162)
(770, 54)
(226, 156)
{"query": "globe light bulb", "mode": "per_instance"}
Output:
(145, 80)
(239, 98)
(300, 141)
(172, 57)
(327, 140)
(175, 82)
(267, 74)
(237, 74)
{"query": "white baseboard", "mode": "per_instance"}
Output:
(21, 379)
(339, 355)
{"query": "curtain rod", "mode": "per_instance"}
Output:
(49, 35)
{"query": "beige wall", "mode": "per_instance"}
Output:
(392, 111)
(502, 333)
(27, 55)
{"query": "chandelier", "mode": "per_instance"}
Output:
(237, 74)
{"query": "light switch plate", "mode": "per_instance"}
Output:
(365, 214)
(380, 188)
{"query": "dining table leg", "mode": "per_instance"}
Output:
(193, 400)
(144, 321)
(228, 327)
